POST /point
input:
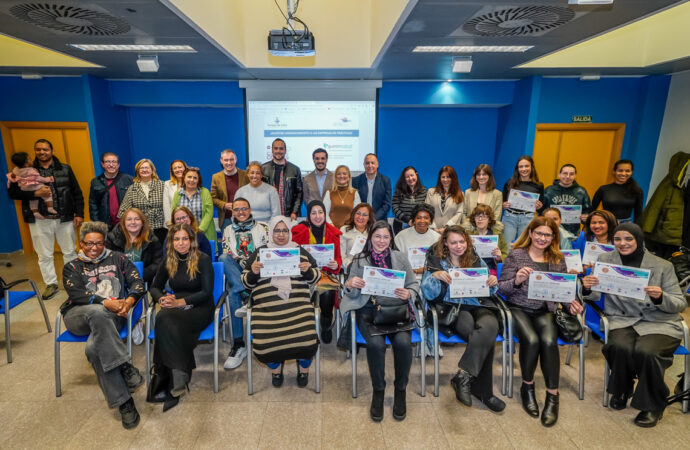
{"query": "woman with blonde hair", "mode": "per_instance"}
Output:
(146, 194)
(340, 200)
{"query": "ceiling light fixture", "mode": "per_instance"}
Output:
(148, 63)
(134, 48)
(471, 48)
(590, 2)
(462, 64)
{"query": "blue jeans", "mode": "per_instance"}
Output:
(514, 225)
(233, 273)
(303, 363)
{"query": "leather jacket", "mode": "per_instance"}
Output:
(292, 185)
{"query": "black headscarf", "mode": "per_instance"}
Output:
(319, 232)
(635, 258)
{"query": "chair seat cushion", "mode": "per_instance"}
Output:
(16, 298)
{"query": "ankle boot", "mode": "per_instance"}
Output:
(549, 416)
(399, 405)
(529, 400)
(376, 410)
(462, 383)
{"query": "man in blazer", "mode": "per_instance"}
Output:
(374, 188)
(224, 184)
(321, 180)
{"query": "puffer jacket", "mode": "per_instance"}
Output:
(292, 185)
(662, 220)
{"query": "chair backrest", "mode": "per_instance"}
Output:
(214, 251)
(499, 268)
(140, 267)
(218, 281)
(590, 314)
(579, 243)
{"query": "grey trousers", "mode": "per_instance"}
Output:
(104, 349)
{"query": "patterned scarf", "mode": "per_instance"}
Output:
(245, 226)
(380, 258)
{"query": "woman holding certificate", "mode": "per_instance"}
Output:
(475, 324)
(537, 249)
(380, 253)
(284, 326)
(644, 331)
(482, 223)
(317, 231)
(355, 232)
(523, 194)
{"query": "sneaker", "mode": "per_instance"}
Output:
(50, 291)
(241, 312)
(235, 358)
(133, 378)
(129, 414)
(138, 333)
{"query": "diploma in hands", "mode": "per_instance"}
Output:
(469, 282)
(485, 245)
(524, 201)
(417, 256)
(322, 253)
(621, 280)
(552, 286)
(569, 213)
(279, 262)
(593, 250)
(572, 260)
(383, 282)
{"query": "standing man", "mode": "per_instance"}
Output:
(224, 184)
(107, 191)
(68, 200)
(286, 178)
(374, 188)
(321, 180)
(565, 191)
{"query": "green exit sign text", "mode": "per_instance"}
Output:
(582, 119)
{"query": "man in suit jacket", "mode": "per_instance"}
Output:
(224, 184)
(374, 188)
(321, 180)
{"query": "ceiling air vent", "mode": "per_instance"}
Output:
(70, 19)
(518, 20)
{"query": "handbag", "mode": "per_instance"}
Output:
(569, 328)
(390, 311)
(158, 389)
(447, 313)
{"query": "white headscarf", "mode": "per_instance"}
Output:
(282, 284)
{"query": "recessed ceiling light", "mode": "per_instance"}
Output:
(471, 48)
(133, 48)
(462, 64)
(590, 2)
(147, 63)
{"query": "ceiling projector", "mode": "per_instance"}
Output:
(291, 43)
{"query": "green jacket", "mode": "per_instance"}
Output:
(662, 220)
(502, 245)
(206, 224)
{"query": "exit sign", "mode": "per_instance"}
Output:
(582, 119)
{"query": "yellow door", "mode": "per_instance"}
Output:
(592, 148)
(71, 145)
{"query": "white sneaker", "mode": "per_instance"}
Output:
(138, 333)
(235, 358)
(241, 312)
(430, 352)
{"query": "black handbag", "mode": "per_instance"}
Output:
(158, 389)
(447, 314)
(569, 328)
(390, 311)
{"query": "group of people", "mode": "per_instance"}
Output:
(168, 226)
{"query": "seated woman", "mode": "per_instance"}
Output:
(567, 238)
(102, 286)
(481, 223)
(419, 234)
(477, 325)
(644, 333)
(287, 300)
(537, 248)
(317, 231)
(185, 313)
(356, 229)
(380, 251)
(133, 237)
(599, 227)
(182, 214)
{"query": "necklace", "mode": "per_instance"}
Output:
(342, 200)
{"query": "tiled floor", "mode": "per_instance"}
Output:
(32, 417)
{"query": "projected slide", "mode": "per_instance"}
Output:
(346, 129)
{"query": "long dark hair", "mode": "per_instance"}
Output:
(490, 185)
(609, 218)
(454, 190)
(630, 186)
(366, 251)
(402, 187)
(514, 181)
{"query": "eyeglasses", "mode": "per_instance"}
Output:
(542, 235)
(284, 231)
(481, 217)
(240, 210)
(93, 244)
(111, 162)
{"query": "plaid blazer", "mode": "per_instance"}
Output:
(152, 205)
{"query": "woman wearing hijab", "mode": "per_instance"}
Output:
(317, 231)
(643, 333)
(284, 299)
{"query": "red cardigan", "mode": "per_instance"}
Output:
(300, 235)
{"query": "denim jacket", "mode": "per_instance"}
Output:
(432, 287)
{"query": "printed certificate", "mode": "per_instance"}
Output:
(570, 213)
(593, 250)
(524, 201)
(552, 287)
(322, 253)
(417, 256)
(572, 260)
(485, 245)
(470, 282)
(382, 282)
(358, 246)
(621, 280)
(279, 262)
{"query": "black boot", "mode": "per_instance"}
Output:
(376, 410)
(549, 416)
(399, 405)
(462, 382)
(648, 419)
(529, 400)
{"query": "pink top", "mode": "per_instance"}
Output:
(28, 178)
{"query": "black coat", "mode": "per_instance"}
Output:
(68, 199)
(151, 251)
(292, 185)
(99, 198)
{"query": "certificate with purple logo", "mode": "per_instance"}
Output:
(279, 262)
(384, 282)
(593, 250)
(485, 245)
(569, 213)
(322, 253)
(552, 286)
(621, 280)
(417, 256)
(471, 282)
(572, 260)
(522, 200)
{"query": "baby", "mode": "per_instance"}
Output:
(28, 179)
